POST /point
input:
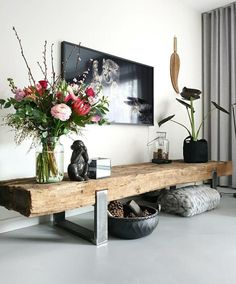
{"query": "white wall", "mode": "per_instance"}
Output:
(139, 30)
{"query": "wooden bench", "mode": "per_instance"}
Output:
(31, 199)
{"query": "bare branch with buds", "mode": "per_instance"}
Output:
(23, 55)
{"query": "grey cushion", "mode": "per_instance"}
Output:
(190, 200)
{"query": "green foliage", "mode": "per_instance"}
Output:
(33, 105)
(191, 95)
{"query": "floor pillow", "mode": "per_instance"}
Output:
(190, 200)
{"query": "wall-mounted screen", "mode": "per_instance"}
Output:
(127, 84)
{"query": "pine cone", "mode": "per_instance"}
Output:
(116, 209)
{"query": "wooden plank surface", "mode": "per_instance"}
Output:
(31, 199)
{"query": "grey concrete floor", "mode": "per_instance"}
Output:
(196, 250)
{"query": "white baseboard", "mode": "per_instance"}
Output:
(15, 223)
(20, 222)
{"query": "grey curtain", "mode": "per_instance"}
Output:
(219, 83)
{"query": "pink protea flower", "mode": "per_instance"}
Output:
(80, 107)
(29, 91)
(70, 95)
(19, 95)
(39, 89)
(61, 112)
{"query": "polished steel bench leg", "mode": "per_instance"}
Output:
(100, 218)
(97, 236)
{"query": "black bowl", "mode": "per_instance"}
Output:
(133, 228)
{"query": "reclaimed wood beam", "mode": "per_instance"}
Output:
(31, 199)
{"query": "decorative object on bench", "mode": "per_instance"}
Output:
(78, 167)
(49, 108)
(190, 200)
(195, 151)
(124, 222)
(191, 144)
(49, 160)
(99, 168)
(174, 67)
(160, 150)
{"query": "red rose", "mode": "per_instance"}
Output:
(90, 92)
(43, 84)
(80, 107)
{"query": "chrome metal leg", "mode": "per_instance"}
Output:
(100, 233)
(100, 218)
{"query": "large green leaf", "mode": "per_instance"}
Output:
(219, 107)
(185, 104)
(165, 120)
(7, 105)
(2, 102)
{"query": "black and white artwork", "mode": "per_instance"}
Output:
(127, 84)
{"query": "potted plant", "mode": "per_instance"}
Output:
(194, 150)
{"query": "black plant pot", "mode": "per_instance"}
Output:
(195, 151)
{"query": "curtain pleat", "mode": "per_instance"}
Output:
(219, 83)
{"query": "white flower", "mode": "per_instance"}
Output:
(93, 100)
(75, 88)
(69, 89)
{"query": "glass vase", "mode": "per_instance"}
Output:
(161, 151)
(159, 148)
(49, 161)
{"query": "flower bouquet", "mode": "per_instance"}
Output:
(49, 108)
